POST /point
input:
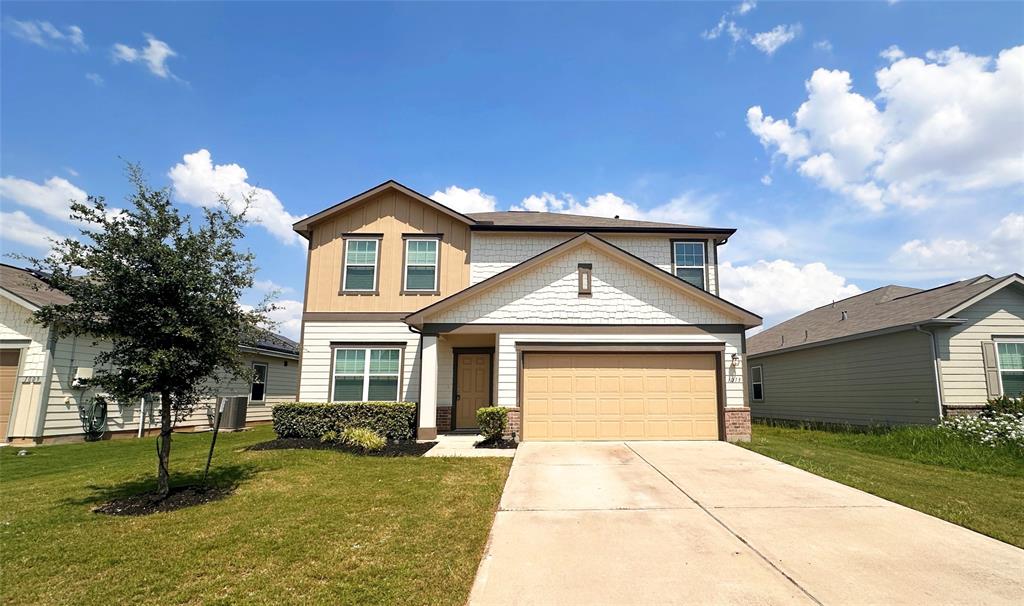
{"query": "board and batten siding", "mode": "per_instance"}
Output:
(18, 331)
(493, 253)
(960, 359)
(392, 214)
(315, 381)
(507, 362)
(549, 293)
(887, 379)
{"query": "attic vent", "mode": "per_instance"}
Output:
(845, 315)
(806, 334)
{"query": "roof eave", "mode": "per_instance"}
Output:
(931, 323)
(716, 231)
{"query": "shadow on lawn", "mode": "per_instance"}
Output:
(136, 497)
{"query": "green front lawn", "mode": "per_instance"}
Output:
(971, 485)
(304, 526)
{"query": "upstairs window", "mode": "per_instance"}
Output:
(1011, 367)
(689, 262)
(421, 256)
(366, 374)
(756, 383)
(360, 273)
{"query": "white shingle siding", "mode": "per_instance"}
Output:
(960, 359)
(16, 326)
(549, 294)
(494, 253)
(508, 375)
(316, 354)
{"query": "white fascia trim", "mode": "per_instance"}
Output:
(1015, 279)
(19, 300)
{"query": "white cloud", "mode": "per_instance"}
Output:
(772, 40)
(892, 54)
(1001, 251)
(466, 200)
(94, 78)
(199, 182)
(287, 318)
(19, 227)
(766, 179)
(46, 35)
(687, 208)
(746, 6)
(269, 286)
(823, 45)
(53, 196)
(780, 289)
(944, 126)
(155, 55)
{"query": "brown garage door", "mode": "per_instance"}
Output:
(632, 396)
(8, 379)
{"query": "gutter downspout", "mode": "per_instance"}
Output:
(47, 379)
(419, 390)
(935, 367)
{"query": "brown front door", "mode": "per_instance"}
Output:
(8, 379)
(472, 387)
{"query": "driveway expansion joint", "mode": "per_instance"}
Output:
(734, 533)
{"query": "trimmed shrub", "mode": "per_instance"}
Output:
(363, 439)
(493, 421)
(311, 420)
(1004, 405)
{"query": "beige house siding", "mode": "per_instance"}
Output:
(960, 358)
(888, 379)
(493, 253)
(392, 214)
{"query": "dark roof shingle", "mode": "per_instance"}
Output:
(532, 220)
(886, 307)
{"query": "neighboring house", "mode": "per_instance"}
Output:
(39, 399)
(893, 355)
(585, 328)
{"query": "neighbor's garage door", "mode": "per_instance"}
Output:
(621, 396)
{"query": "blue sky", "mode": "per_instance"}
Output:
(905, 162)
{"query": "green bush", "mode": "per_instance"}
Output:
(328, 437)
(363, 439)
(311, 420)
(493, 421)
(1004, 405)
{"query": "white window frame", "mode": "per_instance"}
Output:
(375, 265)
(702, 267)
(760, 371)
(366, 370)
(266, 380)
(999, 362)
(436, 265)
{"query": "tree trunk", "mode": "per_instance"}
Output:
(163, 446)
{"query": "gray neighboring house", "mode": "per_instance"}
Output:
(893, 355)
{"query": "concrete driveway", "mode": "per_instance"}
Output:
(709, 522)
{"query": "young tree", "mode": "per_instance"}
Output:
(163, 292)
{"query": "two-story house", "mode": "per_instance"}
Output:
(586, 328)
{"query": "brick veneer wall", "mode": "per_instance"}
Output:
(515, 426)
(963, 410)
(737, 424)
(444, 418)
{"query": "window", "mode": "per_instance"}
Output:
(688, 261)
(421, 264)
(366, 374)
(756, 383)
(259, 383)
(1011, 367)
(360, 265)
(585, 271)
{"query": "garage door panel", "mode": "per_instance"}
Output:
(619, 396)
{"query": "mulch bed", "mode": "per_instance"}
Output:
(393, 449)
(148, 503)
(503, 444)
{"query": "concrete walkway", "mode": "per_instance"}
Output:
(712, 523)
(463, 445)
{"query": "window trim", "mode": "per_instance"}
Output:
(367, 347)
(704, 268)
(406, 238)
(999, 362)
(760, 371)
(266, 380)
(359, 237)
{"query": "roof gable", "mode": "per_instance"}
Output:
(304, 226)
(678, 291)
